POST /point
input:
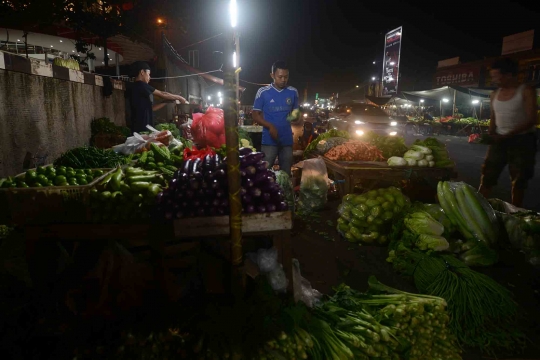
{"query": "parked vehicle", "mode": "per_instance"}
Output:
(358, 119)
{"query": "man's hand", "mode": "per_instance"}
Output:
(181, 99)
(273, 132)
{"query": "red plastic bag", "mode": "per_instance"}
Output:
(209, 129)
(474, 138)
(192, 154)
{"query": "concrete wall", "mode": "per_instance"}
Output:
(43, 115)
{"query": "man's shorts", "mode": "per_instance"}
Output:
(518, 152)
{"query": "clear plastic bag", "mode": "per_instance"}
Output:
(437, 212)
(138, 143)
(325, 145)
(313, 185)
(278, 280)
(302, 288)
(267, 262)
(209, 129)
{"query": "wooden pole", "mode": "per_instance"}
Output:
(233, 161)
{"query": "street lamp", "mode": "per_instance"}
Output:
(233, 10)
(219, 94)
(234, 60)
(445, 100)
(421, 100)
(209, 98)
(374, 63)
(474, 102)
(373, 78)
(356, 85)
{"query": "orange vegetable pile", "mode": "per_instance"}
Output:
(355, 150)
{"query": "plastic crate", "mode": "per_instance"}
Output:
(46, 205)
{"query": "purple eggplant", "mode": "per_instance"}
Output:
(261, 209)
(260, 177)
(243, 191)
(196, 203)
(266, 197)
(250, 209)
(253, 158)
(221, 211)
(199, 194)
(219, 174)
(248, 182)
(283, 206)
(245, 151)
(224, 203)
(200, 211)
(217, 160)
(255, 192)
(270, 207)
(250, 170)
(243, 174)
(208, 163)
(179, 214)
(169, 215)
(220, 194)
(190, 194)
(184, 204)
(215, 185)
(216, 202)
(246, 199)
(173, 184)
(209, 193)
(213, 211)
(206, 203)
(187, 167)
(191, 214)
(204, 185)
(182, 178)
(159, 198)
(262, 165)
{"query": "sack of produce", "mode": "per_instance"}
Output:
(475, 219)
(522, 228)
(209, 129)
(366, 218)
(313, 185)
(326, 144)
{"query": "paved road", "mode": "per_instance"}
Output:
(469, 159)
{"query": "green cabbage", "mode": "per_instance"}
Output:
(423, 163)
(411, 162)
(397, 161)
(424, 150)
(422, 223)
(415, 155)
(432, 242)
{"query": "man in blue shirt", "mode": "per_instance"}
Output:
(273, 109)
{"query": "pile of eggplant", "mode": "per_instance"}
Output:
(200, 188)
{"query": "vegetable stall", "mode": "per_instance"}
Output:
(374, 158)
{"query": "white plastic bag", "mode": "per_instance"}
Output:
(267, 261)
(137, 142)
(302, 288)
(313, 185)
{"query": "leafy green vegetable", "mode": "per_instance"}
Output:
(388, 145)
(432, 242)
(312, 147)
(414, 155)
(422, 223)
(313, 193)
(91, 158)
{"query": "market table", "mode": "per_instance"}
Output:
(348, 173)
(184, 234)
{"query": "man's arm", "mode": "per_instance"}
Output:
(492, 125)
(259, 119)
(168, 96)
(529, 102)
(159, 106)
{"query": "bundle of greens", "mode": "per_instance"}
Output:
(482, 312)
(438, 151)
(170, 127)
(474, 218)
(312, 147)
(386, 323)
(389, 145)
(91, 158)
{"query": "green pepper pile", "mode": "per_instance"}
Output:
(365, 218)
(52, 176)
(161, 159)
(124, 195)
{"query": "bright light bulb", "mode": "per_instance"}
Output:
(421, 100)
(374, 63)
(393, 133)
(359, 132)
(475, 102)
(209, 98)
(305, 115)
(373, 78)
(358, 122)
(219, 94)
(233, 11)
(234, 59)
(393, 123)
(445, 100)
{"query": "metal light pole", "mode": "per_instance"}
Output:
(237, 69)
(233, 161)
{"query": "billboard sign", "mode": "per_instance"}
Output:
(518, 42)
(461, 76)
(392, 50)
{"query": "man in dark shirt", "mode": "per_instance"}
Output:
(142, 98)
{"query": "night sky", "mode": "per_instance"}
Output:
(331, 45)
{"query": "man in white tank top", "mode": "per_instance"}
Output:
(512, 129)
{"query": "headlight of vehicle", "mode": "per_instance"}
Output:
(393, 123)
(393, 133)
(358, 122)
(305, 115)
(359, 132)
